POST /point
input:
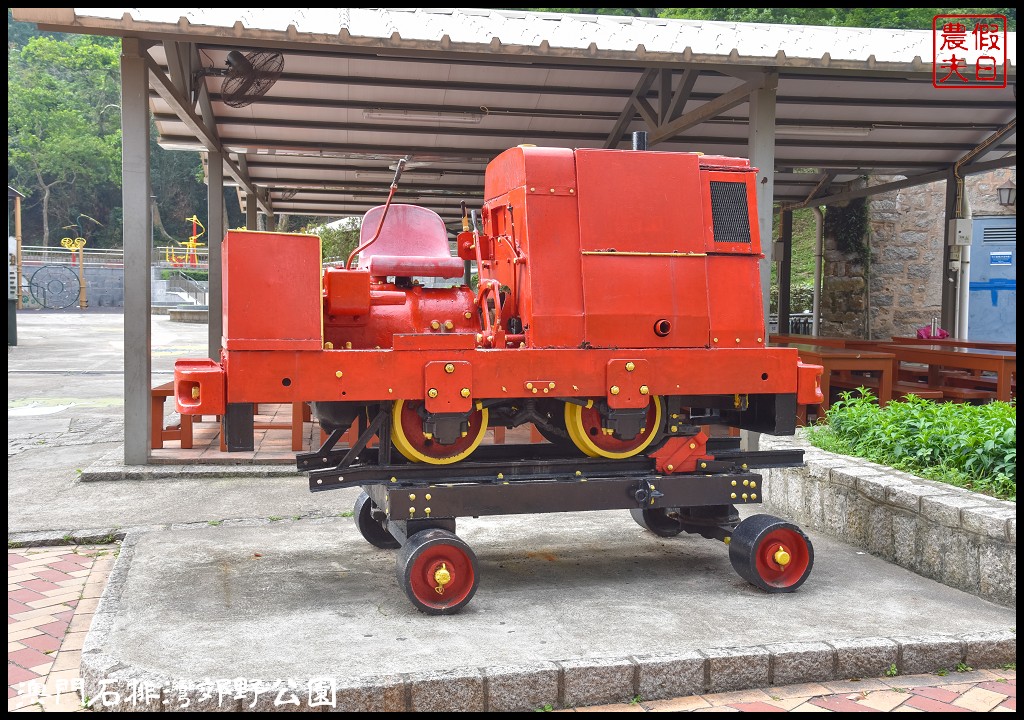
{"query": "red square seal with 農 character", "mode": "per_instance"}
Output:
(969, 51)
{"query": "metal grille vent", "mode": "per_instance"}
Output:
(999, 234)
(729, 212)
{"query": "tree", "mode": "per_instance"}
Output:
(59, 151)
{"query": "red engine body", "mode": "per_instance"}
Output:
(618, 304)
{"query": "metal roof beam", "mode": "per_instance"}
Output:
(924, 179)
(727, 101)
(173, 97)
(626, 116)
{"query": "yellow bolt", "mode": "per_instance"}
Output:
(195, 393)
(448, 325)
(760, 339)
(551, 385)
(552, 189)
(733, 483)
(715, 339)
(501, 476)
(427, 511)
(348, 346)
(744, 466)
(674, 428)
(442, 576)
(670, 468)
(732, 496)
(464, 392)
(630, 367)
(432, 392)
(753, 484)
(535, 391)
(753, 497)
(338, 374)
(529, 386)
(614, 390)
(745, 483)
(469, 315)
(545, 390)
(578, 473)
(782, 557)
(737, 339)
(744, 496)
(693, 446)
(644, 390)
(435, 325)
(703, 465)
(412, 496)
(727, 540)
(427, 496)
(479, 338)
(449, 368)
(328, 346)
(412, 510)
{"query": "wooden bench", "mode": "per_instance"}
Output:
(900, 388)
(181, 432)
(961, 394)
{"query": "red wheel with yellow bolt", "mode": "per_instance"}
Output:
(771, 554)
(438, 572)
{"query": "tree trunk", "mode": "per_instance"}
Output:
(159, 223)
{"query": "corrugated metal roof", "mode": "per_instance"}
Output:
(538, 34)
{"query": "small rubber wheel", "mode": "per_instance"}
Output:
(371, 530)
(438, 572)
(771, 554)
(663, 522)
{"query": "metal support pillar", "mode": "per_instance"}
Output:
(138, 252)
(215, 222)
(785, 268)
(761, 149)
(251, 211)
(950, 260)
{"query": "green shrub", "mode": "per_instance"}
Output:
(200, 275)
(970, 446)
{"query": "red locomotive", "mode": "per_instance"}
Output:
(618, 310)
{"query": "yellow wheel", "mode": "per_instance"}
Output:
(587, 429)
(409, 439)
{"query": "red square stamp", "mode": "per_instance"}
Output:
(969, 51)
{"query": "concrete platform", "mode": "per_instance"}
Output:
(571, 610)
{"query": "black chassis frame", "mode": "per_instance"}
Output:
(525, 479)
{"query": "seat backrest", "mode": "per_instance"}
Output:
(409, 230)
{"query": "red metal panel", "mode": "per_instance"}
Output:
(734, 296)
(372, 375)
(539, 184)
(639, 201)
(271, 291)
(747, 178)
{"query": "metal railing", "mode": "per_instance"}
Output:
(197, 292)
(57, 255)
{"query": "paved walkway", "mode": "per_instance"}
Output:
(52, 593)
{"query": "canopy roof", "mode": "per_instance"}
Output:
(452, 88)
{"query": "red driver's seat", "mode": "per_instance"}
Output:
(413, 242)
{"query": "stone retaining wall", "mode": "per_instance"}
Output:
(960, 538)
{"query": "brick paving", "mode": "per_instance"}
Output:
(969, 691)
(52, 593)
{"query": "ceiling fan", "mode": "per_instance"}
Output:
(248, 76)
